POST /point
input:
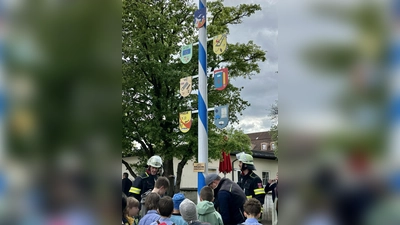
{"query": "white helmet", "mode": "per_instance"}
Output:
(155, 161)
(247, 160)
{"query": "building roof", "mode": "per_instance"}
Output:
(257, 141)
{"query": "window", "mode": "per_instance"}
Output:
(264, 146)
(265, 177)
(273, 146)
(212, 170)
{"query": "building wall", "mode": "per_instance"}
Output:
(189, 178)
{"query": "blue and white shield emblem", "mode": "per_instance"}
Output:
(200, 18)
(221, 116)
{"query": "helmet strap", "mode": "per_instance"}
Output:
(244, 167)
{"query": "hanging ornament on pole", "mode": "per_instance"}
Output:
(220, 44)
(185, 121)
(221, 79)
(185, 86)
(221, 116)
(186, 53)
(200, 18)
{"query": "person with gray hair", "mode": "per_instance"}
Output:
(189, 212)
(229, 199)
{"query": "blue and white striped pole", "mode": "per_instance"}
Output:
(394, 92)
(202, 103)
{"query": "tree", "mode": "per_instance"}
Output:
(152, 32)
(274, 127)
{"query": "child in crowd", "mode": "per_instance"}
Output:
(189, 213)
(132, 211)
(160, 187)
(252, 211)
(124, 203)
(151, 204)
(165, 208)
(176, 215)
(205, 209)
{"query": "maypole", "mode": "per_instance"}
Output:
(202, 102)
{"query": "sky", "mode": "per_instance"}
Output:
(262, 90)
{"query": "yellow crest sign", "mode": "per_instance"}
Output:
(220, 44)
(185, 86)
(185, 121)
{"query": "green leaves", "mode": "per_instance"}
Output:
(152, 33)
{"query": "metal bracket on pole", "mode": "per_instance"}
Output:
(209, 39)
(197, 111)
(196, 76)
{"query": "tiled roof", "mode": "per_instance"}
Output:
(258, 138)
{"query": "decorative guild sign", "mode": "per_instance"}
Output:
(200, 18)
(220, 44)
(185, 121)
(221, 116)
(221, 79)
(186, 53)
(185, 86)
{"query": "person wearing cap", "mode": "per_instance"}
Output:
(229, 199)
(145, 182)
(189, 213)
(250, 183)
(176, 215)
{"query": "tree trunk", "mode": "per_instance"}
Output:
(128, 167)
(181, 164)
(169, 173)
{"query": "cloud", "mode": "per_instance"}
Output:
(262, 89)
(254, 124)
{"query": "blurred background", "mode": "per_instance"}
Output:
(339, 101)
(60, 107)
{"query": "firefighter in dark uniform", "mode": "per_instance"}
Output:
(145, 182)
(249, 181)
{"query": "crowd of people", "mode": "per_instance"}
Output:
(222, 201)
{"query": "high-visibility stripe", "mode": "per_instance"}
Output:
(259, 191)
(249, 196)
(135, 190)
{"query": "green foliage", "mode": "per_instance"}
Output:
(152, 33)
(274, 128)
(274, 138)
(230, 140)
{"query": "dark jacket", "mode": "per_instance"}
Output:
(271, 187)
(252, 186)
(126, 185)
(229, 200)
(142, 184)
(198, 223)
